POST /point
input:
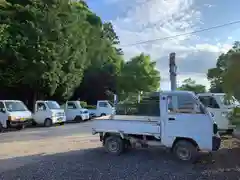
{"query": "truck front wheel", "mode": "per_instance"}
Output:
(1, 128)
(185, 151)
(114, 145)
(48, 122)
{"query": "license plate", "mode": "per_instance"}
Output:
(21, 119)
(60, 119)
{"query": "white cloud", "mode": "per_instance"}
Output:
(156, 19)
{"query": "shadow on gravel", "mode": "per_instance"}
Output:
(142, 164)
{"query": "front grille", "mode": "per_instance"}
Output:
(60, 114)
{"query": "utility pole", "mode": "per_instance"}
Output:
(173, 71)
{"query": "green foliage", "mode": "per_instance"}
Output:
(190, 85)
(139, 74)
(83, 104)
(225, 76)
(57, 48)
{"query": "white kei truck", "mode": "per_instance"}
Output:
(219, 107)
(104, 107)
(48, 113)
(14, 114)
(177, 120)
(75, 112)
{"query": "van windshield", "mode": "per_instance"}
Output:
(53, 105)
(12, 106)
(111, 103)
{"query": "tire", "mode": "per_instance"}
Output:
(185, 151)
(20, 127)
(230, 131)
(1, 128)
(103, 114)
(78, 119)
(114, 145)
(48, 122)
(62, 123)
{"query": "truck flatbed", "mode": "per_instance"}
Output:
(125, 124)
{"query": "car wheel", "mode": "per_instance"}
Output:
(114, 145)
(20, 127)
(103, 114)
(185, 151)
(1, 128)
(48, 122)
(78, 119)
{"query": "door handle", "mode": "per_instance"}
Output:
(171, 119)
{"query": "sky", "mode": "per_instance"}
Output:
(141, 20)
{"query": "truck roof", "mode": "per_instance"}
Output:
(10, 101)
(210, 94)
(171, 92)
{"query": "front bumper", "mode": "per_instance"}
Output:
(59, 119)
(216, 143)
(16, 123)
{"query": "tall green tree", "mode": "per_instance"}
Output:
(224, 77)
(191, 85)
(139, 74)
(44, 48)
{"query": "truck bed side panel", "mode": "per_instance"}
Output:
(127, 126)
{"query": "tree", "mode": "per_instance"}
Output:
(190, 85)
(44, 49)
(224, 77)
(139, 74)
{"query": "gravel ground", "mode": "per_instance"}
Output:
(145, 164)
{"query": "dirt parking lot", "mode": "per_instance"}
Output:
(71, 152)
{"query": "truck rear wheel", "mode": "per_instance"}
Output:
(20, 127)
(185, 151)
(114, 145)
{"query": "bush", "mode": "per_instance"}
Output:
(91, 107)
(83, 104)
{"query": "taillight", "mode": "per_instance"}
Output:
(215, 128)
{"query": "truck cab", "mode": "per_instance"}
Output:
(219, 107)
(48, 113)
(14, 113)
(104, 107)
(75, 112)
(174, 119)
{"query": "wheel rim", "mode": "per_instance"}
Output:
(183, 153)
(113, 146)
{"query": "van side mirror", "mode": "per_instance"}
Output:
(3, 110)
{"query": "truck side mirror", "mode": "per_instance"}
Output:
(3, 110)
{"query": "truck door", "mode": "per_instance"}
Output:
(215, 110)
(184, 118)
(40, 112)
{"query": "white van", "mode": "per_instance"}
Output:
(75, 112)
(219, 107)
(14, 113)
(48, 113)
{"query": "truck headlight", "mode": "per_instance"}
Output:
(11, 118)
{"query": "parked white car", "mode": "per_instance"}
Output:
(48, 113)
(219, 107)
(104, 108)
(75, 112)
(14, 113)
(179, 121)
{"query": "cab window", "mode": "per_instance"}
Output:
(41, 106)
(71, 105)
(183, 103)
(209, 102)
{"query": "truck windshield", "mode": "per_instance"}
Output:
(111, 104)
(228, 101)
(53, 105)
(15, 106)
